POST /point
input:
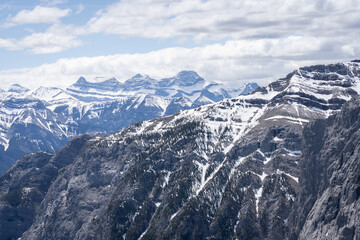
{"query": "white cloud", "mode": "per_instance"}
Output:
(232, 63)
(48, 42)
(199, 20)
(213, 19)
(38, 15)
(80, 9)
(9, 44)
(55, 39)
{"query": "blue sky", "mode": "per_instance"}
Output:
(78, 15)
(53, 42)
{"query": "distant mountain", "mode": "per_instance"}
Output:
(44, 119)
(16, 88)
(272, 164)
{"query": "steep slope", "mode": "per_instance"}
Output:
(328, 205)
(27, 125)
(25, 184)
(228, 170)
(44, 119)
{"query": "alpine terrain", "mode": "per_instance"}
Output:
(279, 163)
(46, 118)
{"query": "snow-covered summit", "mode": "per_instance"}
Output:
(17, 88)
(138, 82)
(50, 94)
(111, 85)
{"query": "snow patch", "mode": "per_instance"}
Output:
(267, 159)
(258, 194)
(166, 179)
(210, 177)
(287, 174)
(293, 153)
(277, 139)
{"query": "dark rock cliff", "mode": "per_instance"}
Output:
(328, 206)
(25, 185)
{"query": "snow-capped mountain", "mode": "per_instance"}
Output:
(47, 117)
(229, 170)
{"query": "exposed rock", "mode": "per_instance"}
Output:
(25, 185)
(328, 205)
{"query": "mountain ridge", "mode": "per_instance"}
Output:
(92, 107)
(232, 169)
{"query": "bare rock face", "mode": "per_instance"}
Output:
(25, 185)
(328, 205)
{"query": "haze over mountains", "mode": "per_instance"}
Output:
(279, 163)
(46, 118)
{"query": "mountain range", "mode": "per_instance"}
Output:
(279, 163)
(44, 119)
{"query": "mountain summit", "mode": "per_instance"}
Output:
(17, 88)
(108, 85)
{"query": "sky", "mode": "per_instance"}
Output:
(54, 42)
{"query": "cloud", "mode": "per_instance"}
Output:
(199, 20)
(227, 19)
(80, 9)
(48, 42)
(55, 39)
(232, 63)
(9, 44)
(38, 15)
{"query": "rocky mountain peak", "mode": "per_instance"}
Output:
(330, 72)
(81, 80)
(137, 76)
(17, 88)
(182, 79)
(112, 81)
(139, 81)
(249, 88)
(111, 85)
(188, 78)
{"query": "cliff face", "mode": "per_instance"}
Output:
(328, 205)
(26, 183)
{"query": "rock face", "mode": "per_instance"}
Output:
(46, 118)
(328, 204)
(238, 169)
(25, 184)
